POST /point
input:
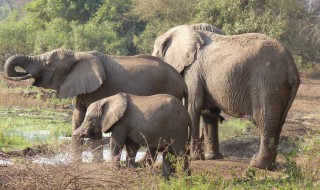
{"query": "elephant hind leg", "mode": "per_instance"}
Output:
(268, 120)
(117, 143)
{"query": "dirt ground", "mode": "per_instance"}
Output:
(302, 122)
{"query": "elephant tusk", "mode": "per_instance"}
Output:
(28, 76)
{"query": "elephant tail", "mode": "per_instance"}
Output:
(294, 82)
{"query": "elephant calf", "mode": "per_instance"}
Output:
(158, 122)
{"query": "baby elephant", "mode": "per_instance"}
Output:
(159, 122)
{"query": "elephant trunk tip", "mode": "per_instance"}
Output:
(79, 134)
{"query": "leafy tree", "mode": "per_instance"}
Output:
(14, 36)
(70, 10)
(160, 15)
(4, 11)
(176, 11)
(285, 20)
(55, 34)
(125, 25)
(99, 37)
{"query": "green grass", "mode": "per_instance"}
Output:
(233, 127)
(30, 115)
(23, 128)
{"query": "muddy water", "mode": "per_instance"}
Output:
(65, 157)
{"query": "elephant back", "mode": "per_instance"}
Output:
(207, 27)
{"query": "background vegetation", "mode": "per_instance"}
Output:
(127, 27)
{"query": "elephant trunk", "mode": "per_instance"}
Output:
(81, 132)
(30, 64)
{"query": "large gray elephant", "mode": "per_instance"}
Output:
(249, 75)
(158, 122)
(91, 76)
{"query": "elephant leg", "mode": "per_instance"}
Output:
(132, 149)
(211, 137)
(96, 147)
(195, 105)
(196, 152)
(269, 124)
(116, 146)
(77, 143)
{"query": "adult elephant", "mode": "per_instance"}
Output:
(249, 75)
(90, 76)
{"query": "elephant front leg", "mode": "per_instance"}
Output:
(196, 152)
(115, 150)
(211, 136)
(77, 143)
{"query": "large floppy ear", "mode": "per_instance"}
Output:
(113, 109)
(86, 75)
(178, 46)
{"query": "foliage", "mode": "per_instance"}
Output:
(69, 10)
(129, 27)
(233, 127)
(4, 11)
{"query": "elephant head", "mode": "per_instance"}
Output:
(179, 46)
(101, 115)
(70, 73)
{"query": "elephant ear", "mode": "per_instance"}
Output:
(86, 75)
(178, 46)
(113, 108)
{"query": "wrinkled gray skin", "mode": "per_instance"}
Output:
(250, 75)
(90, 76)
(158, 122)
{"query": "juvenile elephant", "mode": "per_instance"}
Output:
(249, 75)
(158, 122)
(91, 76)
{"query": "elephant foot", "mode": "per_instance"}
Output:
(261, 163)
(213, 156)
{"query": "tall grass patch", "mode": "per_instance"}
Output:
(233, 127)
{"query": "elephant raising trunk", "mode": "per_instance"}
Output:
(29, 64)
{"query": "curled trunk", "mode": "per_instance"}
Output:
(30, 65)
